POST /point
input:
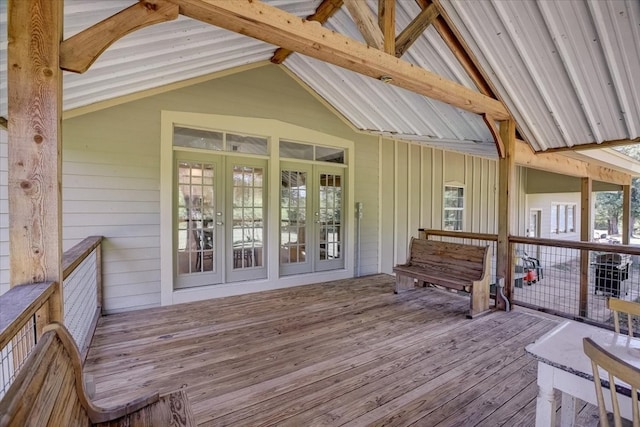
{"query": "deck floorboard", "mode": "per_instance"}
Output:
(347, 352)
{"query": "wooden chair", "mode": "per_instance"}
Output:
(49, 391)
(616, 368)
(630, 308)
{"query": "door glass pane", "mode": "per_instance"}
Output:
(248, 216)
(196, 206)
(293, 223)
(330, 217)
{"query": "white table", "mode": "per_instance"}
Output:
(562, 365)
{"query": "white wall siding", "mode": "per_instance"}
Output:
(366, 192)
(112, 173)
(543, 203)
(4, 214)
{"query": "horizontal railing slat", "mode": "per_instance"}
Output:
(20, 303)
(74, 256)
(574, 244)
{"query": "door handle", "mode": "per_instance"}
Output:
(219, 223)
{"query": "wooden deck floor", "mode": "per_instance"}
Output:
(341, 353)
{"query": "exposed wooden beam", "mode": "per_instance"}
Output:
(81, 50)
(506, 197)
(387, 23)
(594, 145)
(322, 14)
(564, 165)
(419, 24)
(275, 26)
(35, 165)
(460, 50)
(491, 124)
(4, 122)
(366, 22)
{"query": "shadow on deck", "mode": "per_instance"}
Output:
(344, 352)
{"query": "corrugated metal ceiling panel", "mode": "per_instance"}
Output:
(372, 105)
(154, 56)
(566, 69)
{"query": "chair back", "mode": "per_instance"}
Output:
(616, 368)
(630, 308)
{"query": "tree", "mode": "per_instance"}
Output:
(608, 209)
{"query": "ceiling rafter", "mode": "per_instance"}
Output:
(78, 52)
(419, 24)
(366, 22)
(387, 23)
(326, 10)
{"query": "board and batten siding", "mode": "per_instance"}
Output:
(111, 172)
(413, 177)
(4, 213)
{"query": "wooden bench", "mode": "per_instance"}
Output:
(451, 265)
(49, 391)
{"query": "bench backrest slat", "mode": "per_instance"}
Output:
(466, 261)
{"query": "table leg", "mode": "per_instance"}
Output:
(545, 402)
(568, 414)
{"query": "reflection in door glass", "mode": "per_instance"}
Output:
(248, 218)
(196, 234)
(293, 203)
(330, 216)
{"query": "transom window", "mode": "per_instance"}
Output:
(219, 141)
(318, 153)
(453, 215)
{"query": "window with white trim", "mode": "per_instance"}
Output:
(453, 213)
(563, 218)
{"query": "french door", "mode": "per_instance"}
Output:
(219, 219)
(311, 218)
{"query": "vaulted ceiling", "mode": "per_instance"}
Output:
(566, 70)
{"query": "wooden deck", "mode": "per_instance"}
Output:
(347, 352)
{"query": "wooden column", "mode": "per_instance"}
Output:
(585, 235)
(35, 89)
(506, 196)
(627, 227)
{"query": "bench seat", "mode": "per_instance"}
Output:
(450, 265)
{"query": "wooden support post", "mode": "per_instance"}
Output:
(506, 196)
(35, 92)
(627, 227)
(585, 235)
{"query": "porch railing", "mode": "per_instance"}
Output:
(25, 309)
(575, 278)
(567, 278)
(82, 290)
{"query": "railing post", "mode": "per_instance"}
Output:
(506, 195)
(585, 232)
(627, 227)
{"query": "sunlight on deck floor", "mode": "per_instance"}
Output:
(344, 352)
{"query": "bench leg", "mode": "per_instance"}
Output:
(403, 283)
(479, 300)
